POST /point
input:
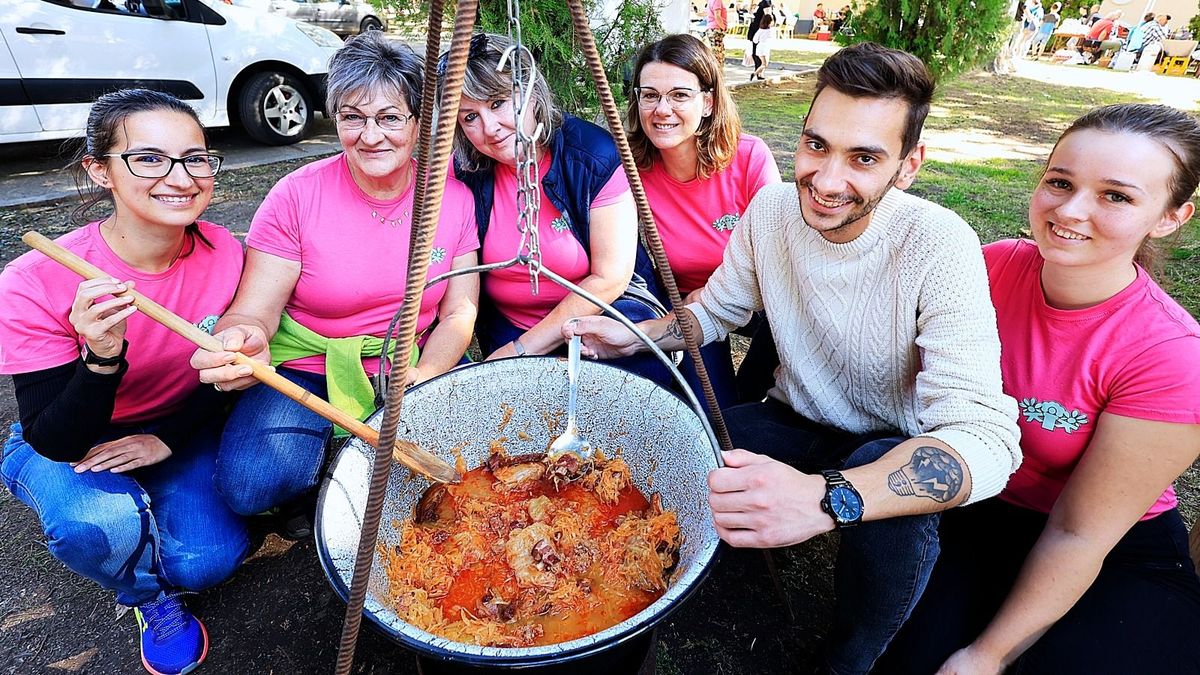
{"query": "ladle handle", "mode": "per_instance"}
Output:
(408, 454)
(572, 380)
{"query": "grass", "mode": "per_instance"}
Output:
(784, 56)
(992, 195)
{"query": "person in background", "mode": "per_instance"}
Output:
(325, 273)
(1098, 41)
(587, 221)
(1137, 36)
(1152, 42)
(687, 139)
(718, 23)
(1030, 24)
(1081, 565)
(1046, 30)
(843, 18)
(761, 46)
(764, 7)
(1093, 15)
(117, 440)
(818, 16)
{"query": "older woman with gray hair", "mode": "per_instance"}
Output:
(587, 222)
(324, 275)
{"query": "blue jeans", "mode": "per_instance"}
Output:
(273, 448)
(883, 566)
(718, 360)
(495, 331)
(155, 528)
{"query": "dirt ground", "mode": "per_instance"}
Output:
(279, 615)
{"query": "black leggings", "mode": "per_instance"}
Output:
(754, 55)
(1141, 615)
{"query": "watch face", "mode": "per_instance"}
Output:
(845, 504)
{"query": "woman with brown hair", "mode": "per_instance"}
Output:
(1081, 564)
(687, 138)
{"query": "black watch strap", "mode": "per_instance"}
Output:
(834, 478)
(104, 361)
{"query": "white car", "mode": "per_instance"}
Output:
(344, 17)
(232, 64)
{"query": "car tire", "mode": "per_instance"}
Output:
(276, 108)
(371, 23)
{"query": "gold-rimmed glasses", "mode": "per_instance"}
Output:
(648, 98)
(388, 121)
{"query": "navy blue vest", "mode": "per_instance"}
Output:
(583, 158)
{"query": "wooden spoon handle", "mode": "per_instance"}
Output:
(405, 452)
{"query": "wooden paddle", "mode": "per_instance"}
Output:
(405, 452)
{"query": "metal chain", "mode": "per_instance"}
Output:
(529, 191)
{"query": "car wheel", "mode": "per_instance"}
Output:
(276, 108)
(371, 23)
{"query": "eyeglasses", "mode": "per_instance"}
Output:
(385, 121)
(157, 165)
(648, 99)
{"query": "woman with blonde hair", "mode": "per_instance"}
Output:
(587, 222)
(687, 139)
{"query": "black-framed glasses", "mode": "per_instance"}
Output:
(648, 98)
(388, 121)
(158, 165)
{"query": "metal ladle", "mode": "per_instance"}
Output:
(570, 440)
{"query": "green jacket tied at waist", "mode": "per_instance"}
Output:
(349, 387)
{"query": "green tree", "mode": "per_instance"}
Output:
(950, 36)
(547, 29)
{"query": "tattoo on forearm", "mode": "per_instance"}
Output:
(672, 332)
(932, 472)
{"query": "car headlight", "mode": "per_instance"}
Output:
(321, 36)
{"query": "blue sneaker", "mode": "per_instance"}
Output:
(173, 641)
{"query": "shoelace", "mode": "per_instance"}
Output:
(166, 616)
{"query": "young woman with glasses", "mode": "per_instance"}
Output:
(698, 168)
(325, 273)
(587, 222)
(117, 441)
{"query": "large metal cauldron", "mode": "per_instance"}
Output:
(660, 436)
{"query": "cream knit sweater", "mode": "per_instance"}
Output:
(893, 330)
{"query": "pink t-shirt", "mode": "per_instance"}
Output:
(695, 218)
(352, 266)
(561, 251)
(36, 295)
(1136, 354)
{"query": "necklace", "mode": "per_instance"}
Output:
(391, 222)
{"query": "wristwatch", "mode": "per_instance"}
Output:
(104, 361)
(842, 502)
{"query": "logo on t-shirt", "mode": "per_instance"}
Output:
(437, 255)
(208, 323)
(726, 223)
(559, 224)
(1052, 415)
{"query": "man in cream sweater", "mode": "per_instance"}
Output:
(887, 407)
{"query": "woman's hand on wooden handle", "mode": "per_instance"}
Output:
(101, 322)
(219, 368)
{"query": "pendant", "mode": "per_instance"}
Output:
(392, 222)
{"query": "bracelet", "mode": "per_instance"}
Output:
(518, 347)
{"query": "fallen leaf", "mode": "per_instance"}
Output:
(75, 663)
(17, 618)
